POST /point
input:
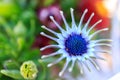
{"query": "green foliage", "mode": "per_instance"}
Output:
(12, 73)
(17, 34)
(9, 8)
(19, 26)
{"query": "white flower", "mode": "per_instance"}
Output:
(75, 43)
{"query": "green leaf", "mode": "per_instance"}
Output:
(5, 25)
(12, 73)
(29, 55)
(48, 2)
(20, 42)
(11, 64)
(20, 29)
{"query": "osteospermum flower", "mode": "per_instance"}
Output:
(75, 43)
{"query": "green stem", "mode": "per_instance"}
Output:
(44, 70)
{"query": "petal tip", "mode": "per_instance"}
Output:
(49, 65)
(42, 33)
(42, 57)
(60, 74)
(70, 69)
(61, 12)
(42, 26)
(86, 10)
(41, 49)
(71, 9)
(51, 17)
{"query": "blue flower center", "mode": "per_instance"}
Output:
(75, 44)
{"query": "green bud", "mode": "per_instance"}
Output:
(20, 42)
(20, 29)
(28, 70)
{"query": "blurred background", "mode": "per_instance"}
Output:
(20, 39)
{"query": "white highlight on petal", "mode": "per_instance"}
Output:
(103, 51)
(94, 63)
(98, 57)
(92, 35)
(81, 20)
(73, 19)
(86, 25)
(50, 37)
(102, 44)
(49, 46)
(101, 40)
(72, 65)
(94, 25)
(49, 30)
(80, 66)
(86, 65)
(65, 22)
(51, 54)
(64, 68)
(57, 61)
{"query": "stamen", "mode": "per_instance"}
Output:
(64, 20)
(76, 45)
(94, 25)
(64, 68)
(42, 33)
(92, 35)
(49, 46)
(57, 61)
(81, 20)
(86, 25)
(49, 30)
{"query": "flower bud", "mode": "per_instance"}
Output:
(20, 29)
(28, 70)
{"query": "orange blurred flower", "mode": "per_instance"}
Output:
(98, 7)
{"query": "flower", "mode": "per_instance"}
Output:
(28, 70)
(75, 43)
(100, 10)
(44, 13)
